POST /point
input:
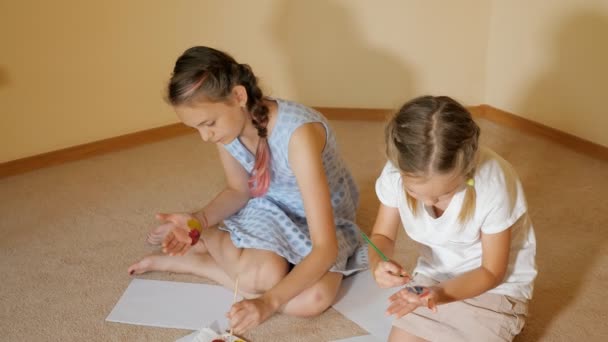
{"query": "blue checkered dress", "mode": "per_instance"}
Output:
(276, 221)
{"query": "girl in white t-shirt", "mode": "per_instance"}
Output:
(465, 208)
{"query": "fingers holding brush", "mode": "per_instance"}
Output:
(390, 274)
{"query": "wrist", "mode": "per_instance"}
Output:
(373, 263)
(196, 224)
(271, 301)
(439, 294)
(201, 217)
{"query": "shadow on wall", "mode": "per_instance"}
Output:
(574, 83)
(330, 61)
(333, 65)
(4, 80)
(569, 232)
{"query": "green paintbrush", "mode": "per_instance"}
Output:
(374, 246)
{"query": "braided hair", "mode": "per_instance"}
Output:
(205, 73)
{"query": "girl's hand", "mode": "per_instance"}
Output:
(390, 274)
(249, 313)
(409, 298)
(177, 241)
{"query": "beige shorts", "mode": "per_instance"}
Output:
(487, 317)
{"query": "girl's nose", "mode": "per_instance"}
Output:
(205, 134)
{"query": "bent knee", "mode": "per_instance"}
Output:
(312, 302)
(257, 278)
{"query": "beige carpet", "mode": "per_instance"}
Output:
(68, 234)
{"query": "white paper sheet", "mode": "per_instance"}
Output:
(364, 338)
(363, 302)
(170, 304)
(210, 333)
(215, 327)
(188, 338)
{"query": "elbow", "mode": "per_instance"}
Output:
(495, 277)
(497, 281)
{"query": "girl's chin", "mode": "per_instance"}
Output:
(224, 141)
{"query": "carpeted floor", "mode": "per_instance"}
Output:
(68, 234)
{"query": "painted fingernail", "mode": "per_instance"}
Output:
(132, 271)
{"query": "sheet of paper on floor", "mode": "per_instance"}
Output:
(188, 338)
(363, 302)
(171, 304)
(206, 334)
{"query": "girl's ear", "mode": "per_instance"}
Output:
(240, 95)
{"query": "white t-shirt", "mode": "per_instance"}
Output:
(447, 248)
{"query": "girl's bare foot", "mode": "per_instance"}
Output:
(147, 264)
(199, 264)
(179, 264)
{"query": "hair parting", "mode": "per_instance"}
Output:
(434, 135)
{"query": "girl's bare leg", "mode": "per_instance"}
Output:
(316, 299)
(215, 257)
(196, 261)
(400, 335)
(259, 270)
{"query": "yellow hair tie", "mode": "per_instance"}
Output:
(470, 182)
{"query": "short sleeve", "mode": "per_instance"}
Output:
(505, 207)
(388, 188)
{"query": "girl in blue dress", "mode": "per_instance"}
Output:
(284, 226)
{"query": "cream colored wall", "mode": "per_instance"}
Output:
(350, 53)
(74, 71)
(548, 62)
